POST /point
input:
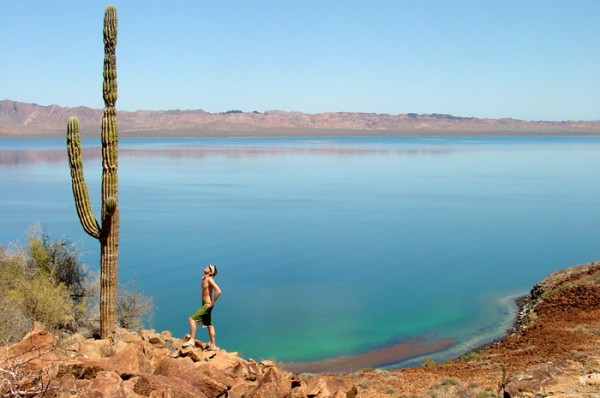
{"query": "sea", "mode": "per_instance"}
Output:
(326, 246)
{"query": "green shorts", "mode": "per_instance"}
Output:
(203, 315)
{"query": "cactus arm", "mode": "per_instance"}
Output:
(80, 191)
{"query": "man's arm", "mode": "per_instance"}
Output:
(215, 289)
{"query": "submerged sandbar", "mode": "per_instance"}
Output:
(391, 354)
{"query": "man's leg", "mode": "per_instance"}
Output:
(192, 332)
(211, 335)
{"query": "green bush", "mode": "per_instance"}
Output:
(42, 299)
(470, 356)
(27, 294)
(60, 260)
(45, 281)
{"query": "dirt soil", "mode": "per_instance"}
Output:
(554, 351)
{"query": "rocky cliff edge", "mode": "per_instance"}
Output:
(553, 350)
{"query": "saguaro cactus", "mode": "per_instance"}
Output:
(107, 231)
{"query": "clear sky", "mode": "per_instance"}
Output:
(525, 59)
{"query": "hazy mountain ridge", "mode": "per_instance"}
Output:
(24, 119)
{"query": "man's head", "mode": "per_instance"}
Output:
(211, 270)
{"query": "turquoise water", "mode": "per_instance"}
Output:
(328, 246)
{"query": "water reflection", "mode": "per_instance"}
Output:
(22, 157)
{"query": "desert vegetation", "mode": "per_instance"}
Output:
(107, 230)
(44, 280)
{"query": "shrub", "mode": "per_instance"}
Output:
(59, 259)
(18, 326)
(470, 356)
(366, 370)
(27, 295)
(132, 308)
(45, 281)
(43, 300)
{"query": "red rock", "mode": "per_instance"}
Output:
(131, 360)
(163, 386)
(105, 385)
(37, 345)
(186, 372)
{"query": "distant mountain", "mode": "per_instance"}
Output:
(23, 119)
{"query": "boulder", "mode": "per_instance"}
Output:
(317, 388)
(153, 337)
(187, 373)
(105, 385)
(195, 354)
(216, 374)
(241, 390)
(243, 370)
(273, 384)
(535, 379)
(127, 336)
(171, 349)
(96, 349)
(131, 360)
(157, 340)
(129, 386)
(163, 386)
(267, 363)
(37, 345)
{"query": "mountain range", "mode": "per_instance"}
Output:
(19, 119)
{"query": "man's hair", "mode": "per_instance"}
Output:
(213, 269)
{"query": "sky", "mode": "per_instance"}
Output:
(525, 59)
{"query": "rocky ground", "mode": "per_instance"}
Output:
(553, 351)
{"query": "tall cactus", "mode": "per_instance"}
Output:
(107, 232)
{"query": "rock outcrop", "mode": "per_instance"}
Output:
(554, 350)
(143, 364)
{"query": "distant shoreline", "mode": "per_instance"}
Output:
(32, 120)
(306, 133)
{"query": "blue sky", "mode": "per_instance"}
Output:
(531, 60)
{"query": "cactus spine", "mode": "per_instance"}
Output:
(107, 232)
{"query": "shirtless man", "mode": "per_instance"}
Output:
(210, 293)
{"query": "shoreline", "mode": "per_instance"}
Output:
(410, 352)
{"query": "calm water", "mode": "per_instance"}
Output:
(328, 246)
